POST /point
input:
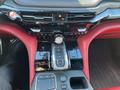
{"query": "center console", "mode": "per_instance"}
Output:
(59, 67)
(60, 80)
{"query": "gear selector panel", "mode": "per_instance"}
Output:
(60, 59)
(50, 57)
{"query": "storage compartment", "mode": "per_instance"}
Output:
(78, 83)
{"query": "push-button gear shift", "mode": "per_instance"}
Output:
(60, 60)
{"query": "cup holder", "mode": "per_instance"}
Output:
(78, 83)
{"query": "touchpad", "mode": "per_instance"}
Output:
(45, 82)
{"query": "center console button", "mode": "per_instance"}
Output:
(60, 63)
(64, 86)
(63, 78)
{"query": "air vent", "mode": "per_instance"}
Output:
(55, 17)
(80, 17)
(35, 17)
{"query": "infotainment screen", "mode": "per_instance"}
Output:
(58, 3)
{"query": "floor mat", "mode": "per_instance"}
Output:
(104, 64)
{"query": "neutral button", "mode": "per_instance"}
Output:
(63, 78)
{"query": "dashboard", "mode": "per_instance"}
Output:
(58, 3)
(68, 17)
(97, 6)
(62, 11)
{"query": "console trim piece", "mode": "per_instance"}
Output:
(107, 14)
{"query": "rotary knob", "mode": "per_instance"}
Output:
(59, 39)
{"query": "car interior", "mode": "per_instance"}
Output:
(60, 44)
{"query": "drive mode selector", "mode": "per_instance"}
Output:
(60, 60)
